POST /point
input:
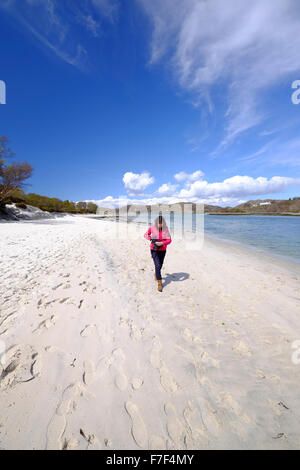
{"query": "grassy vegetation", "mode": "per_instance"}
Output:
(49, 204)
(259, 207)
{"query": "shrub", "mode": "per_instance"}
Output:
(21, 205)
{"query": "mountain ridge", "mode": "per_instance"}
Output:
(254, 206)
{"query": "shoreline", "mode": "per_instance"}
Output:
(257, 253)
(273, 214)
(283, 260)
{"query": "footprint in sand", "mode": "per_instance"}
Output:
(107, 442)
(187, 335)
(240, 426)
(23, 365)
(89, 372)
(155, 356)
(40, 301)
(103, 365)
(12, 366)
(57, 286)
(65, 275)
(36, 367)
(114, 364)
(157, 443)
(175, 428)
(48, 323)
(138, 428)
(10, 316)
(242, 349)
(193, 419)
(67, 285)
(232, 405)
(121, 380)
(91, 439)
(166, 379)
(136, 333)
(71, 392)
(118, 355)
(55, 431)
(137, 383)
(87, 330)
(58, 423)
(70, 444)
(65, 300)
(260, 374)
(209, 417)
(231, 332)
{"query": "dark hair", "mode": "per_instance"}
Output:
(160, 220)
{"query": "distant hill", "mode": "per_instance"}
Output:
(259, 206)
(266, 206)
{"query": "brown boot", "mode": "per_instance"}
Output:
(155, 277)
(159, 285)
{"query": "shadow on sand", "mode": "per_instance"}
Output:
(174, 277)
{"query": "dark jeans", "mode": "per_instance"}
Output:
(158, 258)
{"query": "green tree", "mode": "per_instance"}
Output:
(92, 208)
(11, 176)
(81, 207)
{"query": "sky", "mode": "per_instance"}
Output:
(160, 101)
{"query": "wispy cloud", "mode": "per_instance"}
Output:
(276, 152)
(108, 8)
(232, 49)
(55, 24)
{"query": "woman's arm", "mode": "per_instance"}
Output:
(167, 240)
(147, 235)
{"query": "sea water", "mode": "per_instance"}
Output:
(277, 235)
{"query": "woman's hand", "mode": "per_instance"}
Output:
(159, 243)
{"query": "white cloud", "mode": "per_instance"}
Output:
(239, 186)
(230, 192)
(167, 189)
(240, 48)
(183, 176)
(136, 183)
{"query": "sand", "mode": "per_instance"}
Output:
(97, 358)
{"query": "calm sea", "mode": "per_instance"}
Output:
(276, 235)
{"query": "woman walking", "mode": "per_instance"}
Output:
(160, 238)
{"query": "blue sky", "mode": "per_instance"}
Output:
(159, 101)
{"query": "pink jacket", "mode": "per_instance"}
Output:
(163, 236)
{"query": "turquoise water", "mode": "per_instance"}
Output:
(276, 235)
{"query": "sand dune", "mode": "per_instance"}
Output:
(96, 358)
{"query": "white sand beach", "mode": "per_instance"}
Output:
(97, 358)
